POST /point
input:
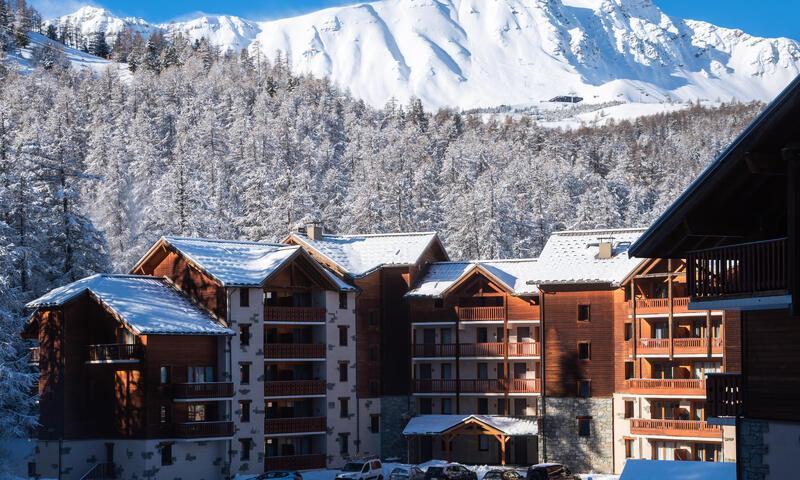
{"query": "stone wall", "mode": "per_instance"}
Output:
(562, 442)
(752, 449)
(395, 413)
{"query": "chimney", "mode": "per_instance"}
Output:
(605, 248)
(314, 231)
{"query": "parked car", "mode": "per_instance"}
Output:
(416, 473)
(280, 475)
(548, 471)
(400, 473)
(451, 471)
(361, 470)
(502, 475)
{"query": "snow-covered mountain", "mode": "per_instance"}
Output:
(480, 53)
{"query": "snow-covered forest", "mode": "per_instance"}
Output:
(94, 168)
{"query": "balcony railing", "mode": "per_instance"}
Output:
(744, 270)
(286, 388)
(296, 462)
(294, 314)
(493, 385)
(659, 305)
(670, 386)
(294, 425)
(203, 429)
(685, 346)
(675, 428)
(33, 356)
(724, 395)
(467, 314)
(490, 349)
(653, 346)
(115, 352)
(295, 350)
(190, 391)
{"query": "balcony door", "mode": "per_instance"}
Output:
(203, 374)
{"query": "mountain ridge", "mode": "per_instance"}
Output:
(484, 53)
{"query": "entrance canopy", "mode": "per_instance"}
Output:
(484, 424)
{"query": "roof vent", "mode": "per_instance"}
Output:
(605, 248)
(314, 231)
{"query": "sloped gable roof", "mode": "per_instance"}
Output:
(358, 255)
(515, 276)
(438, 424)
(149, 305)
(571, 257)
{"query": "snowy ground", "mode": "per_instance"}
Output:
(388, 467)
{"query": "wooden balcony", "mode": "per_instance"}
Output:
(660, 305)
(753, 269)
(312, 461)
(494, 385)
(190, 391)
(724, 395)
(675, 428)
(478, 314)
(491, 349)
(289, 388)
(672, 386)
(653, 346)
(116, 353)
(680, 346)
(294, 314)
(295, 425)
(203, 429)
(287, 351)
(33, 356)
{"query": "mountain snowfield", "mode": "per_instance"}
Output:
(484, 53)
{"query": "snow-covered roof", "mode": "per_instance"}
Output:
(437, 424)
(572, 257)
(515, 275)
(358, 255)
(236, 263)
(149, 305)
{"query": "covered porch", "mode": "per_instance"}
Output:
(473, 439)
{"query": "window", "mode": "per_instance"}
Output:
(163, 416)
(438, 303)
(375, 423)
(164, 375)
(342, 335)
(342, 300)
(584, 388)
(502, 406)
(628, 448)
(628, 370)
(197, 413)
(584, 313)
(483, 443)
(447, 406)
(584, 426)
(628, 408)
(342, 371)
(244, 373)
(483, 334)
(372, 319)
(201, 374)
(245, 445)
(426, 406)
(483, 371)
(373, 353)
(344, 410)
(244, 297)
(523, 333)
(584, 351)
(166, 454)
(446, 371)
(374, 387)
(628, 331)
(244, 411)
(344, 448)
(520, 407)
(244, 334)
(483, 406)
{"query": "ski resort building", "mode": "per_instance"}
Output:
(738, 226)
(669, 350)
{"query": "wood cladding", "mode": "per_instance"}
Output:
(732, 354)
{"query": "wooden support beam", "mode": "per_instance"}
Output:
(708, 332)
(671, 311)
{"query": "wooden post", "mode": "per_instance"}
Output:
(792, 159)
(458, 362)
(505, 353)
(503, 439)
(669, 317)
(709, 336)
(634, 337)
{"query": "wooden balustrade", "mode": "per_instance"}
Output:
(295, 425)
(295, 350)
(114, 352)
(675, 428)
(490, 385)
(524, 385)
(286, 388)
(653, 346)
(203, 429)
(648, 305)
(294, 314)
(202, 390)
(485, 349)
(724, 395)
(661, 386)
(747, 269)
(680, 345)
(296, 462)
(467, 314)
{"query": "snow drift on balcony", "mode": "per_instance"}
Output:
(513, 274)
(149, 305)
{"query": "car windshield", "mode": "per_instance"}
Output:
(352, 467)
(435, 469)
(492, 474)
(399, 470)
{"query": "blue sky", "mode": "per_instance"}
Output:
(771, 18)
